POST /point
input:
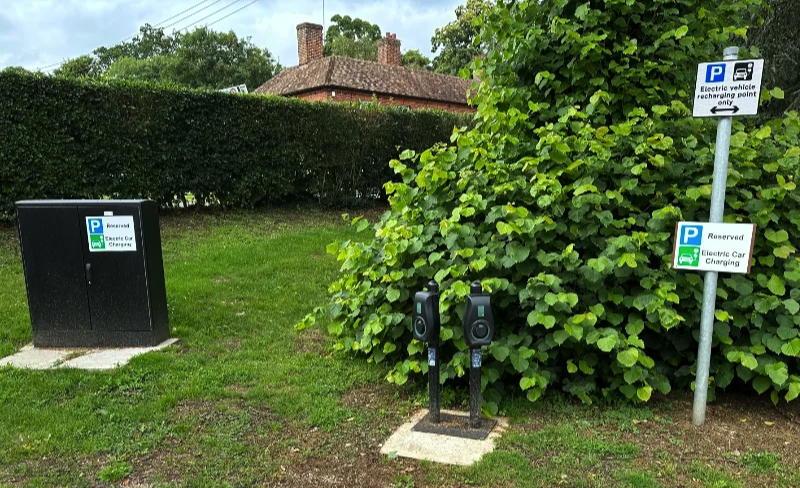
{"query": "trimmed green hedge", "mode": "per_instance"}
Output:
(66, 139)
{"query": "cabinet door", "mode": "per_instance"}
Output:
(54, 272)
(111, 238)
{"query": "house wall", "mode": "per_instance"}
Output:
(344, 95)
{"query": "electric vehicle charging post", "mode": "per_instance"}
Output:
(478, 331)
(426, 324)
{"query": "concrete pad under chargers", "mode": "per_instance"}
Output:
(439, 448)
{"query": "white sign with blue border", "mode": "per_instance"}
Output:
(702, 246)
(728, 88)
(111, 234)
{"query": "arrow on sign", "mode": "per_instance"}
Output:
(733, 109)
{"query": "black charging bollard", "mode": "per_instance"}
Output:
(478, 332)
(426, 324)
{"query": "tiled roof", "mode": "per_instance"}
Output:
(369, 76)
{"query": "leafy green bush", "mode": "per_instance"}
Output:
(563, 202)
(70, 139)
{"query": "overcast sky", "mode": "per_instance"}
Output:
(37, 33)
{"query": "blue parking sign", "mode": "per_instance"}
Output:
(95, 226)
(715, 73)
(691, 235)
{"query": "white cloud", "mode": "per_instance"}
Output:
(36, 33)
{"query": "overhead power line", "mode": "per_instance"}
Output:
(183, 12)
(179, 21)
(209, 15)
(235, 11)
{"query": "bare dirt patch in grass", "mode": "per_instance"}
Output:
(312, 341)
(733, 424)
(285, 453)
(232, 343)
(367, 470)
(372, 396)
(737, 426)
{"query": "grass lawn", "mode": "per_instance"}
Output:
(245, 400)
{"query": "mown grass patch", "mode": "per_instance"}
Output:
(246, 400)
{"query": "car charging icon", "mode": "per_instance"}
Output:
(689, 256)
(743, 71)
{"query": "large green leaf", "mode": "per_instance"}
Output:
(776, 286)
(607, 343)
(392, 294)
(777, 237)
(793, 391)
(500, 352)
(791, 306)
(517, 252)
(761, 384)
(792, 348)
(777, 372)
(628, 357)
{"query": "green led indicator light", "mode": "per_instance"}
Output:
(480, 311)
(419, 308)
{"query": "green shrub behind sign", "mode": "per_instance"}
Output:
(563, 202)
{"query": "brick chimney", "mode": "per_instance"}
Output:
(389, 50)
(309, 42)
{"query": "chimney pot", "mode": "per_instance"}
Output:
(309, 42)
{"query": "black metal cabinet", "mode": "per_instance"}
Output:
(94, 272)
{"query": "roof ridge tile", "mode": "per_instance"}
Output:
(368, 76)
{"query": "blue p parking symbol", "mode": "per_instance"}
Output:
(691, 235)
(95, 226)
(715, 73)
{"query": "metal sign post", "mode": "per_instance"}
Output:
(718, 92)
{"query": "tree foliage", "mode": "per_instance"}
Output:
(778, 39)
(203, 58)
(352, 38)
(79, 67)
(15, 70)
(150, 42)
(357, 38)
(415, 60)
(154, 69)
(208, 59)
(563, 201)
(366, 49)
(457, 39)
(354, 29)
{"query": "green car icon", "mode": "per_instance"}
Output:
(689, 256)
